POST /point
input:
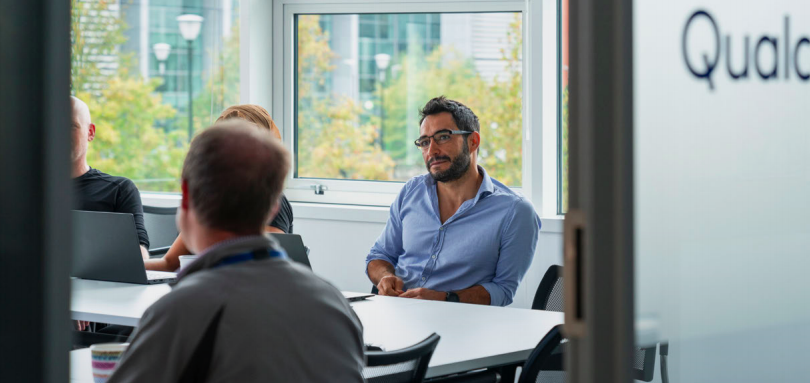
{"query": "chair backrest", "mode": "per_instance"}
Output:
(549, 297)
(407, 365)
(160, 225)
(545, 363)
(549, 294)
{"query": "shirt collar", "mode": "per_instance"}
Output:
(487, 187)
(215, 253)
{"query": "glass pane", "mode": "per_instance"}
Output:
(360, 121)
(722, 175)
(143, 107)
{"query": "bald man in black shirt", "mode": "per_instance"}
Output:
(94, 190)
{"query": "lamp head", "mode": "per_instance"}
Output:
(190, 26)
(382, 60)
(162, 51)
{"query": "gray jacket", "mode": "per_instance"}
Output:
(256, 321)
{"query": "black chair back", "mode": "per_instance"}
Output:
(549, 297)
(545, 363)
(161, 227)
(408, 365)
(549, 294)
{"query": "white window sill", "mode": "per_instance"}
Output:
(377, 214)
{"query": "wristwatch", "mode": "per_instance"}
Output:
(451, 297)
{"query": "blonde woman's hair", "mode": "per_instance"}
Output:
(253, 113)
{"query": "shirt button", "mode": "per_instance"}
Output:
(441, 228)
(423, 278)
(433, 256)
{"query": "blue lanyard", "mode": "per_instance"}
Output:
(256, 255)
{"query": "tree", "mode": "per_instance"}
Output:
(331, 140)
(124, 108)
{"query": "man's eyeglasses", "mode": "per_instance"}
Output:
(440, 137)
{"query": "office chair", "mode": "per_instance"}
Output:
(664, 351)
(549, 294)
(545, 363)
(549, 297)
(161, 227)
(407, 365)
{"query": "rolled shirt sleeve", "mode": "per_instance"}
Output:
(519, 240)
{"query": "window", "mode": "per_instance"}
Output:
(562, 113)
(132, 66)
(361, 81)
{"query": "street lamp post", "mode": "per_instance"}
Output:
(190, 28)
(382, 60)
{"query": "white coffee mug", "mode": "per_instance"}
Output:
(186, 260)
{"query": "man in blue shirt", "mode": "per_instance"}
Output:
(454, 234)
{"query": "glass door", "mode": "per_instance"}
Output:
(721, 184)
(688, 233)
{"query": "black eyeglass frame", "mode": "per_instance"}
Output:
(445, 131)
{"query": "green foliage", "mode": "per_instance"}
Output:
(127, 143)
(333, 142)
(335, 145)
(124, 108)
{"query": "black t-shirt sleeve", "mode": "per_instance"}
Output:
(129, 201)
(284, 219)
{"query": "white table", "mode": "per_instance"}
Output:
(473, 336)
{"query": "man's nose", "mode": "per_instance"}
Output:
(433, 148)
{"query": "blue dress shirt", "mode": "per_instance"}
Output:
(489, 241)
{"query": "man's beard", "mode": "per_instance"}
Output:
(457, 168)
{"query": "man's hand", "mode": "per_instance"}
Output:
(390, 285)
(423, 293)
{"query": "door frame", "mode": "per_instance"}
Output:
(599, 225)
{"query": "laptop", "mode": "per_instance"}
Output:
(106, 248)
(293, 245)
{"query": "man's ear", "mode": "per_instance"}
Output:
(184, 202)
(475, 141)
(91, 133)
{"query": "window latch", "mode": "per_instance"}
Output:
(319, 189)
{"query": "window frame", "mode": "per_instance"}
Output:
(264, 74)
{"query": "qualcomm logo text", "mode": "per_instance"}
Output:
(703, 65)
